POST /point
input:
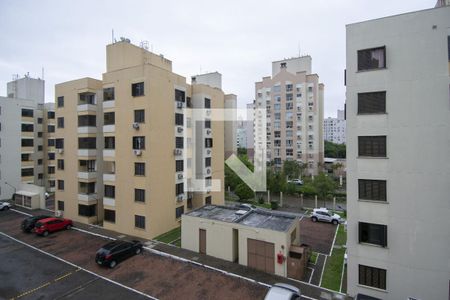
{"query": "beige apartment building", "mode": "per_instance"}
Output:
(130, 147)
(293, 98)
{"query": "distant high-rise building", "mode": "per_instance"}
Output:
(293, 98)
(128, 143)
(334, 128)
(398, 144)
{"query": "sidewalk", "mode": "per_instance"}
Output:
(234, 269)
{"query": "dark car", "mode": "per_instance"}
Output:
(114, 252)
(29, 223)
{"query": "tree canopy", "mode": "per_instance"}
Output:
(335, 150)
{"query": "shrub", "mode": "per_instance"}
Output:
(244, 192)
(274, 205)
(261, 200)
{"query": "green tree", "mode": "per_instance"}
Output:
(276, 181)
(244, 192)
(335, 150)
(291, 169)
(242, 151)
(323, 185)
(231, 179)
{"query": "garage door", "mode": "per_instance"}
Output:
(261, 255)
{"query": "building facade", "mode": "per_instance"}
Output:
(293, 98)
(334, 128)
(24, 126)
(128, 144)
(398, 174)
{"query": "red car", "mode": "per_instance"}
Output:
(45, 226)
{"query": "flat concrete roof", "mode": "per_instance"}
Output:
(258, 218)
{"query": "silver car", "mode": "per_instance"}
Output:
(324, 215)
(5, 205)
(281, 291)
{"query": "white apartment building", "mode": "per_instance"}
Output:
(293, 98)
(398, 144)
(25, 125)
(334, 128)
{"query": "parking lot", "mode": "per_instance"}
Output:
(318, 235)
(154, 275)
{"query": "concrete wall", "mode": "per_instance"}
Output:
(27, 88)
(230, 127)
(417, 169)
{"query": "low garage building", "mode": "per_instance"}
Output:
(261, 239)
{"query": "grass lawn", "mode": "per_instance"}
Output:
(331, 278)
(170, 236)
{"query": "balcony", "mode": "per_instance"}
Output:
(109, 128)
(109, 201)
(109, 104)
(87, 152)
(87, 197)
(87, 175)
(87, 129)
(111, 153)
(27, 179)
(109, 177)
(27, 163)
(86, 107)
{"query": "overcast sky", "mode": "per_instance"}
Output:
(239, 39)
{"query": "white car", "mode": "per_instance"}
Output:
(282, 291)
(246, 206)
(5, 205)
(296, 181)
(324, 215)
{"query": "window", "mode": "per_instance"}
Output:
(39, 120)
(27, 127)
(87, 120)
(373, 234)
(59, 143)
(51, 156)
(373, 277)
(40, 161)
(137, 89)
(179, 95)
(372, 189)
(139, 221)
(87, 165)
(60, 122)
(208, 181)
(108, 94)
(372, 103)
(60, 101)
(277, 134)
(207, 123)
(179, 189)
(179, 143)
(179, 166)
(87, 143)
(139, 116)
(139, 195)
(61, 185)
(373, 146)
(60, 205)
(110, 191)
(110, 142)
(179, 119)
(372, 59)
(208, 143)
(109, 215)
(208, 200)
(207, 103)
(87, 210)
(179, 211)
(139, 169)
(109, 118)
(51, 170)
(139, 142)
(27, 172)
(27, 142)
(25, 157)
(208, 162)
(27, 113)
(50, 128)
(50, 114)
(40, 148)
(60, 164)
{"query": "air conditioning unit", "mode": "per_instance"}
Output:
(208, 131)
(208, 171)
(179, 104)
(136, 125)
(179, 129)
(60, 150)
(137, 152)
(208, 151)
(180, 176)
(180, 197)
(177, 152)
(208, 112)
(58, 213)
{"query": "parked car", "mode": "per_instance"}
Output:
(5, 205)
(246, 206)
(29, 223)
(114, 252)
(46, 226)
(324, 215)
(296, 181)
(282, 291)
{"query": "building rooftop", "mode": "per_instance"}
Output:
(258, 218)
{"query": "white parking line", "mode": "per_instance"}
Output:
(323, 268)
(74, 265)
(312, 273)
(334, 240)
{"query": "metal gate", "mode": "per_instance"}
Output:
(261, 255)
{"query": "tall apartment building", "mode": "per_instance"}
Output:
(293, 98)
(398, 142)
(334, 128)
(24, 129)
(127, 145)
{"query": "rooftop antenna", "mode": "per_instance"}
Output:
(42, 73)
(299, 50)
(112, 36)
